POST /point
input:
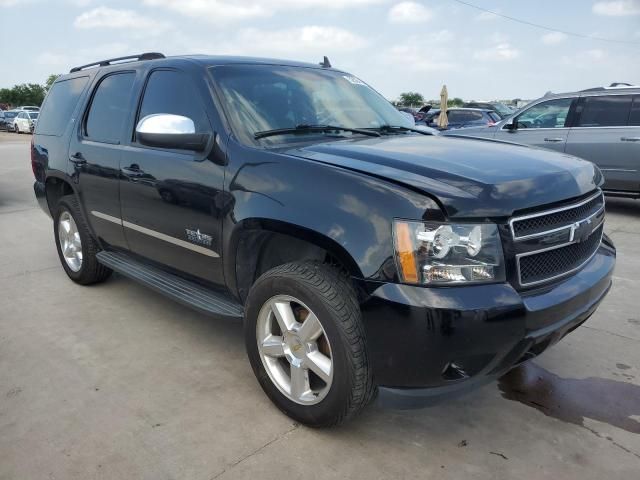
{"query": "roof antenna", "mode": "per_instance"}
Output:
(325, 63)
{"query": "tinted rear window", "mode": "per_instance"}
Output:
(634, 117)
(109, 108)
(605, 111)
(59, 106)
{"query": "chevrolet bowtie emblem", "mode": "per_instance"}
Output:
(580, 231)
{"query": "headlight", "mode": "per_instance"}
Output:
(446, 253)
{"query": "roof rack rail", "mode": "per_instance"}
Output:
(611, 86)
(111, 61)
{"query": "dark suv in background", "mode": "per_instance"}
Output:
(601, 125)
(501, 109)
(462, 118)
(362, 255)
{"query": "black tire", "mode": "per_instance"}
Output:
(330, 295)
(91, 270)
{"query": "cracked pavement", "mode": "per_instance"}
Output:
(116, 382)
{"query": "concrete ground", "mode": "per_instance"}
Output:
(114, 381)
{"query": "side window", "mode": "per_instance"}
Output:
(109, 108)
(551, 114)
(605, 111)
(170, 91)
(634, 116)
(59, 105)
(454, 116)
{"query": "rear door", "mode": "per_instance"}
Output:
(602, 135)
(545, 124)
(95, 150)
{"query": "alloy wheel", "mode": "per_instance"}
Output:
(70, 243)
(294, 350)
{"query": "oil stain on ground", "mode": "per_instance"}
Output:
(571, 399)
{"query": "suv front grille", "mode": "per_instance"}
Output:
(554, 263)
(556, 242)
(543, 222)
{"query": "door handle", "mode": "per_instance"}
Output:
(630, 139)
(554, 139)
(77, 158)
(133, 171)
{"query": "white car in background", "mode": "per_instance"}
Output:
(25, 122)
(29, 108)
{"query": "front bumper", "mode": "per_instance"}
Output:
(424, 343)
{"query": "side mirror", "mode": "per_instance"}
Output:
(511, 125)
(165, 130)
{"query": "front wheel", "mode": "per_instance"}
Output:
(306, 344)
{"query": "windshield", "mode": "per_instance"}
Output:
(260, 98)
(494, 116)
(501, 108)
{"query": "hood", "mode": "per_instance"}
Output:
(471, 178)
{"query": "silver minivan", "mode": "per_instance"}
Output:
(600, 124)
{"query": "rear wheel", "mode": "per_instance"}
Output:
(76, 247)
(16, 129)
(306, 344)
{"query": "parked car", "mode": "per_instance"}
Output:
(24, 121)
(360, 253)
(29, 108)
(601, 125)
(462, 117)
(3, 121)
(9, 118)
(34, 119)
(500, 108)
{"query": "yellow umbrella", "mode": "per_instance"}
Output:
(443, 121)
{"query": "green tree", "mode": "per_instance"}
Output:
(26, 93)
(50, 79)
(411, 99)
(455, 102)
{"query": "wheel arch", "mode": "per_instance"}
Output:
(257, 245)
(55, 189)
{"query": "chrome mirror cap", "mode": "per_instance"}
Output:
(165, 130)
(166, 123)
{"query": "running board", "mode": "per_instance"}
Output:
(184, 291)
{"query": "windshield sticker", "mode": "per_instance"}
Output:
(354, 80)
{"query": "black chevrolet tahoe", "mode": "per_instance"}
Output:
(364, 256)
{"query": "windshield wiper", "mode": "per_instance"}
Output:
(399, 128)
(304, 128)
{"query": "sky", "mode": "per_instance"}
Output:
(395, 46)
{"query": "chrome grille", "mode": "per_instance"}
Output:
(556, 242)
(543, 222)
(549, 264)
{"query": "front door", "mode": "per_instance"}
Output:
(169, 197)
(545, 124)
